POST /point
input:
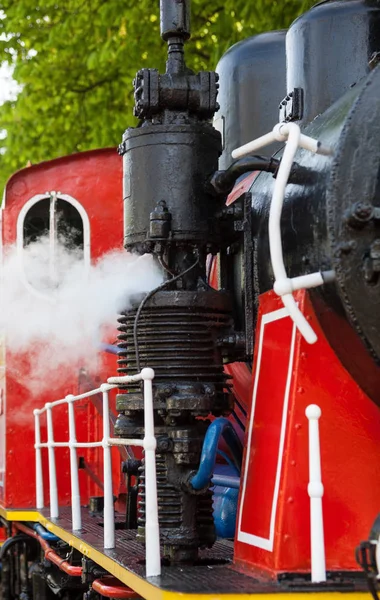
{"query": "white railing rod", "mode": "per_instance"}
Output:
(67, 445)
(152, 532)
(315, 491)
(108, 516)
(58, 402)
(39, 474)
(54, 445)
(87, 394)
(74, 475)
(125, 442)
(115, 381)
(88, 444)
(54, 512)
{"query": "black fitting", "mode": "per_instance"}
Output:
(160, 219)
(223, 181)
(175, 19)
(131, 466)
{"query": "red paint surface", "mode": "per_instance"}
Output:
(95, 180)
(350, 457)
(265, 440)
(241, 187)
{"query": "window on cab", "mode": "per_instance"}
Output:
(53, 240)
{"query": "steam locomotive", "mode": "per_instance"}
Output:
(257, 358)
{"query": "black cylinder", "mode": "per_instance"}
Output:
(328, 50)
(251, 86)
(175, 18)
(170, 163)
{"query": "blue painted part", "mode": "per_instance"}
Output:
(110, 348)
(225, 501)
(46, 535)
(228, 460)
(226, 481)
(217, 428)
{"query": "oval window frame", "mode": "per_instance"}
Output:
(20, 236)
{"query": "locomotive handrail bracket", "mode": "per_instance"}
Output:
(283, 285)
(153, 560)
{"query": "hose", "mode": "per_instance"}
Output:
(201, 479)
(223, 181)
(226, 481)
(46, 535)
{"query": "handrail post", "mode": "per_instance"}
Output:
(74, 475)
(109, 519)
(39, 475)
(54, 511)
(315, 491)
(152, 532)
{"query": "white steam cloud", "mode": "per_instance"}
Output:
(61, 323)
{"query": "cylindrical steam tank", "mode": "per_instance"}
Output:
(251, 86)
(329, 49)
(184, 155)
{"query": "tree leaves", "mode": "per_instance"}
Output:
(75, 61)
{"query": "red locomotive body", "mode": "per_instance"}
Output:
(74, 179)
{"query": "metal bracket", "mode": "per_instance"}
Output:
(291, 108)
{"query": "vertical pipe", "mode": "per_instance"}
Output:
(74, 475)
(54, 512)
(109, 520)
(39, 475)
(315, 491)
(152, 532)
(52, 237)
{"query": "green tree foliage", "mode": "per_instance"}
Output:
(75, 61)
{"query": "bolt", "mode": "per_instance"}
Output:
(345, 247)
(372, 263)
(163, 444)
(361, 213)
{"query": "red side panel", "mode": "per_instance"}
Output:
(273, 525)
(266, 444)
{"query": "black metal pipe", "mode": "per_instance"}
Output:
(223, 181)
(6, 576)
(17, 539)
(175, 19)
(175, 30)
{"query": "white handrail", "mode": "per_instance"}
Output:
(284, 286)
(153, 562)
(108, 513)
(54, 511)
(315, 491)
(152, 542)
(74, 475)
(39, 475)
